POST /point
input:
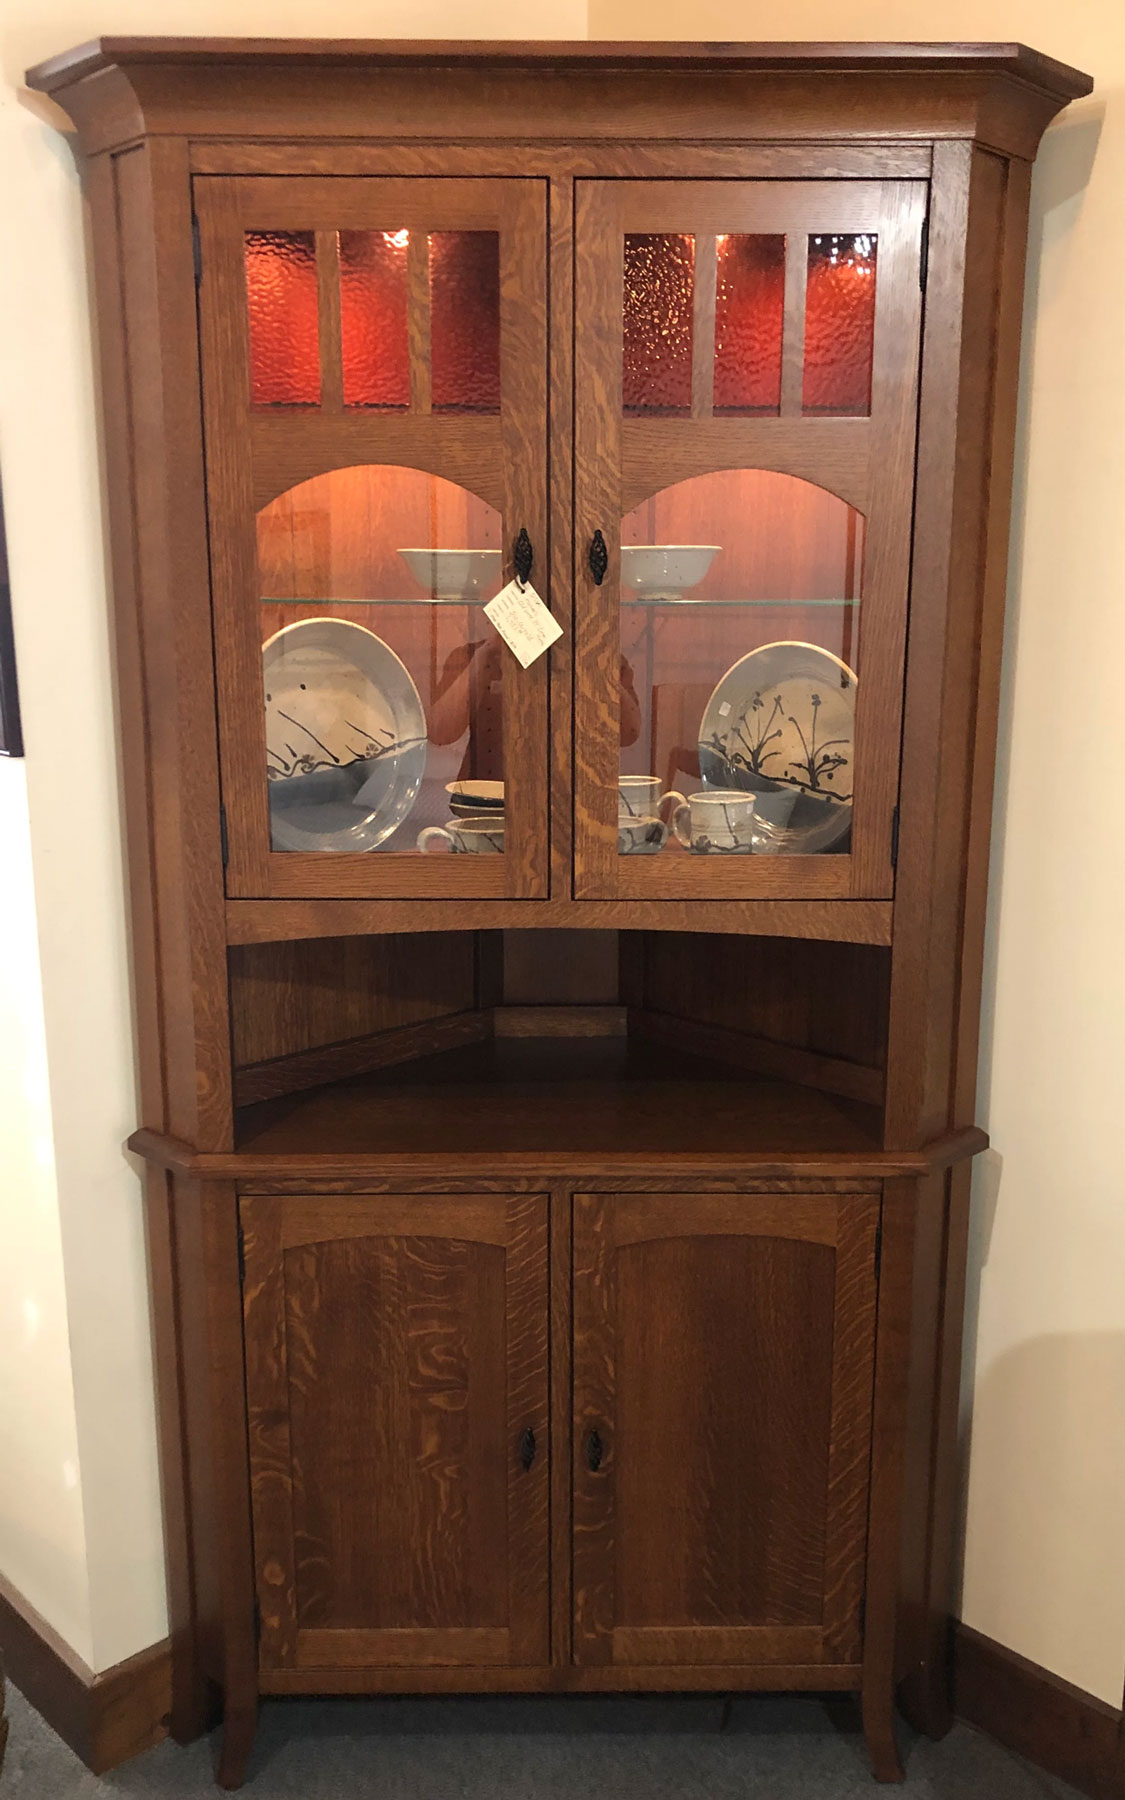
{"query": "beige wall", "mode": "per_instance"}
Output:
(1043, 1566)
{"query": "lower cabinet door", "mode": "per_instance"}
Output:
(723, 1365)
(396, 1368)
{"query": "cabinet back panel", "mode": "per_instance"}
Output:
(297, 995)
(828, 998)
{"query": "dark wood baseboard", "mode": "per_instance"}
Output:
(105, 1718)
(1058, 1727)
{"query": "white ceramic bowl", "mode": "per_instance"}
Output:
(665, 571)
(455, 574)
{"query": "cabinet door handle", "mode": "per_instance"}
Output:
(527, 1447)
(599, 558)
(595, 1450)
(523, 556)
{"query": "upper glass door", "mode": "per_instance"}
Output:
(747, 360)
(374, 361)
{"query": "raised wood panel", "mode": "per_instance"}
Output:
(396, 1351)
(297, 995)
(723, 1354)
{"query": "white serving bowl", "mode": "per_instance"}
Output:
(454, 574)
(665, 571)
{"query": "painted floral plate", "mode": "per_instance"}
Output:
(345, 737)
(782, 721)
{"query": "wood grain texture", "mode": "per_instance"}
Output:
(301, 994)
(853, 161)
(892, 1363)
(357, 1056)
(394, 1520)
(848, 921)
(1003, 94)
(826, 1002)
(160, 577)
(722, 1519)
(710, 1678)
(105, 1719)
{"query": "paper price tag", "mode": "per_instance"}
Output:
(523, 621)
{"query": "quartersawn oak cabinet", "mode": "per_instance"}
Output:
(557, 1081)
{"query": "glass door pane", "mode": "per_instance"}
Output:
(743, 511)
(376, 449)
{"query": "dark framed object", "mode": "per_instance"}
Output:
(11, 732)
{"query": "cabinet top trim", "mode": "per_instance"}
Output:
(1055, 78)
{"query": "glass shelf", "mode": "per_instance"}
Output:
(377, 600)
(639, 600)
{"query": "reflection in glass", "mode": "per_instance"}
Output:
(393, 565)
(839, 324)
(465, 321)
(749, 312)
(373, 340)
(658, 301)
(281, 297)
(740, 610)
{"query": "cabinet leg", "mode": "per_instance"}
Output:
(879, 1733)
(239, 1727)
(925, 1699)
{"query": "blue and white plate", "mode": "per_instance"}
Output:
(781, 722)
(345, 737)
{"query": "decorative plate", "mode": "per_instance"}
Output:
(782, 720)
(345, 737)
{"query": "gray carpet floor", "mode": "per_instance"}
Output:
(643, 1748)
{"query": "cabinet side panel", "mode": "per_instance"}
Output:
(160, 559)
(970, 340)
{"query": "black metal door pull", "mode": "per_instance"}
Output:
(594, 1450)
(523, 556)
(527, 1447)
(599, 558)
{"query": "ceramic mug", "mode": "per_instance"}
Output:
(717, 821)
(639, 797)
(640, 836)
(480, 836)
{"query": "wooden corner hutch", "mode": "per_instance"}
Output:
(558, 1252)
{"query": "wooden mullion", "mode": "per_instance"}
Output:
(793, 339)
(328, 305)
(418, 320)
(703, 327)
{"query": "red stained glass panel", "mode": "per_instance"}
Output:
(839, 324)
(749, 313)
(281, 297)
(373, 339)
(658, 304)
(465, 321)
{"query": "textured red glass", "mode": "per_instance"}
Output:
(281, 297)
(373, 340)
(749, 313)
(839, 324)
(657, 325)
(465, 321)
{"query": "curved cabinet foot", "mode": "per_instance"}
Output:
(879, 1734)
(239, 1727)
(924, 1699)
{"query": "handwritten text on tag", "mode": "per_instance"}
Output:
(523, 621)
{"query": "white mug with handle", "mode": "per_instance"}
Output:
(716, 822)
(481, 835)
